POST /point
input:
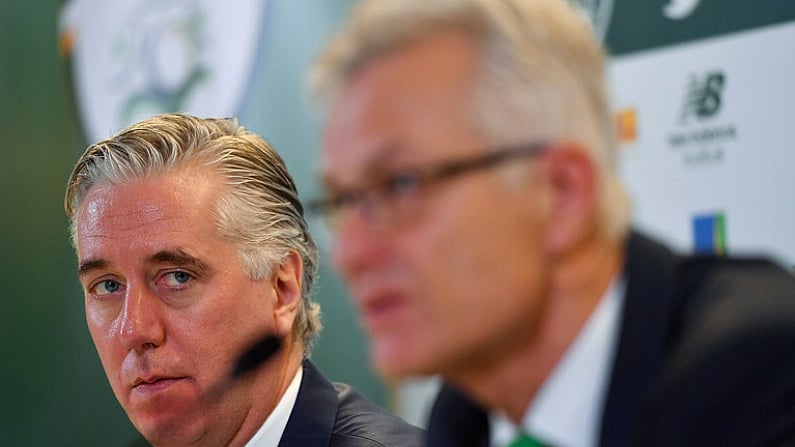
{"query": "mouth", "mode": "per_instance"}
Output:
(381, 312)
(156, 384)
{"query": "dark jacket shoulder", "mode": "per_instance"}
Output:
(703, 358)
(335, 414)
(360, 422)
(729, 376)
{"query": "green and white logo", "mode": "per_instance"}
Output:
(132, 59)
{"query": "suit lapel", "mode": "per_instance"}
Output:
(312, 419)
(457, 421)
(646, 319)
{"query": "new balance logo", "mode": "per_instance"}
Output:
(703, 99)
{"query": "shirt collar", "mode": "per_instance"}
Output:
(270, 433)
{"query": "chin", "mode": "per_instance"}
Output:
(165, 438)
(171, 431)
(401, 361)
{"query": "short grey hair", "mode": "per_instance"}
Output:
(543, 75)
(258, 210)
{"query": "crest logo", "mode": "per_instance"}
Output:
(131, 59)
(599, 12)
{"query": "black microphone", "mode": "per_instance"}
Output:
(256, 355)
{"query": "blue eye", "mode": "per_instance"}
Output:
(106, 287)
(177, 278)
(402, 183)
(181, 277)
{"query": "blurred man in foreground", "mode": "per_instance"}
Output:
(192, 246)
(478, 219)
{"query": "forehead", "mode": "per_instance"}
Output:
(417, 98)
(160, 212)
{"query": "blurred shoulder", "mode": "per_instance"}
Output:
(362, 423)
(729, 377)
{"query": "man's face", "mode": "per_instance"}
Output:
(458, 285)
(170, 308)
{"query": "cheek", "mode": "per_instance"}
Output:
(448, 276)
(100, 322)
(110, 351)
(101, 315)
(480, 268)
(233, 318)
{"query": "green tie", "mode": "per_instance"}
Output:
(522, 440)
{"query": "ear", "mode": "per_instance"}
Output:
(570, 174)
(286, 282)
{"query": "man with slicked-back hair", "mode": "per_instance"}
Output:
(198, 266)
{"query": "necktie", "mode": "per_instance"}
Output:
(522, 440)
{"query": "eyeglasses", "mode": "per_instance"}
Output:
(395, 197)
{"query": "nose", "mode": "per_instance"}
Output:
(357, 245)
(141, 323)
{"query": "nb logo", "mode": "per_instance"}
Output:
(680, 9)
(703, 99)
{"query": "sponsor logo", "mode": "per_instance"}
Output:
(701, 136)
(627, 125)
(599, 13)
(709, 234)
(703, 99)
(132, 59)
(680, 9)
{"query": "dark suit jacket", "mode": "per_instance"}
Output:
(336, 415)
(706, 357)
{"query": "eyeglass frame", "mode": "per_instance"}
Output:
(384, 193)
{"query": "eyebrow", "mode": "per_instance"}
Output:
(179, 257)
(373, 163)
(91, 264)
(176, 257)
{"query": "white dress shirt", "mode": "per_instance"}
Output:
(567, 410)
(270, 433)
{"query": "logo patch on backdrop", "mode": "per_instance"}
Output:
(599, 12)
(703, 98)
(627, 124)
(131, 59)
(680, 9)
(700, 135)
(709, 234)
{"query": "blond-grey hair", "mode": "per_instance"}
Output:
(258, 209)
(543, 75)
